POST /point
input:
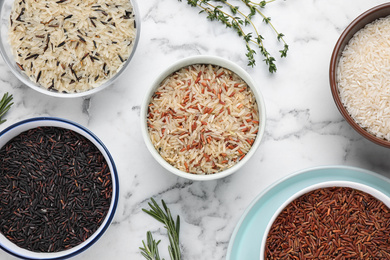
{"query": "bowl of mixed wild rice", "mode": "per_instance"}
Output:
(330, 220)
(203, 118)
(360, 74)
(68, 48)
(58, 188)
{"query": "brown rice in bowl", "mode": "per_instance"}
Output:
(203, 117)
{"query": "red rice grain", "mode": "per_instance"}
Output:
(331, 223)
(203, 119)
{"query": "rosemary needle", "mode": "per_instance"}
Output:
(5, 105)
(163, 215)
(150, 249)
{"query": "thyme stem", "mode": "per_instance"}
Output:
(237, 20)
(262, 3)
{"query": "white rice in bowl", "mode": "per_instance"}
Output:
(203, 119)
(71, 45)
(363, 78)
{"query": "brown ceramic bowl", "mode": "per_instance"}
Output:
(367, 17)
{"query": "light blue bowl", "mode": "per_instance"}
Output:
(247, 239)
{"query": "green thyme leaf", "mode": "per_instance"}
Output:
(240, 21)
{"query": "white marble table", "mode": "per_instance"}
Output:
(304, 128)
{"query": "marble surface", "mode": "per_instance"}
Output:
(304, 128)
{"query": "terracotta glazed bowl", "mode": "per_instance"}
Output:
(360, 22)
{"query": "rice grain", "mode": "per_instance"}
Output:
(331, 223)
(363, 78)
(203, 119)
(50, 41)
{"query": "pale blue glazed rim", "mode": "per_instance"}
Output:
(247, 237)
(15, 129)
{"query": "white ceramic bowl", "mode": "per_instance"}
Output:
(5, 49)
(358, 186)
(25, 125)
(203, 60)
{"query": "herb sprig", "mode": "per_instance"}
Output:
(237, 20)
(5, 105)
(150, 248)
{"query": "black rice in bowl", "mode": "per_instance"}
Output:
(331, 223)
(55, 189)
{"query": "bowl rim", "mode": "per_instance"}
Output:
(325, 184)
(109, 82)
(68, 124)
(343, 40)
(203, 59)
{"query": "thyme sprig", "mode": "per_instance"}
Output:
(5, 105)
(239, 22)
(150, 248)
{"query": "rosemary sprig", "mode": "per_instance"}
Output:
(5, 105)
(238, 21)
(150, 249)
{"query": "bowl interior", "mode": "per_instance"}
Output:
(6, 52)
(357, 24)
(25, 125)
(358, 186)
(203, 60)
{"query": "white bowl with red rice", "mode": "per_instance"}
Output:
(195, 120)
(299, 214)
(50, 56)
(39, 208)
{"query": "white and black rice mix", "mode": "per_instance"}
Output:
(71, 45)
(203, 119)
